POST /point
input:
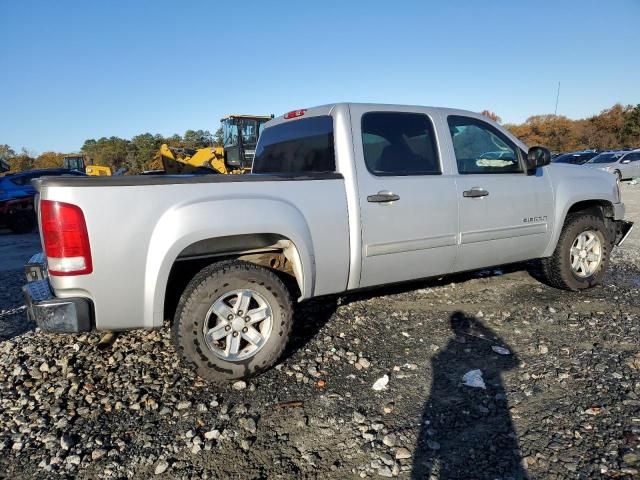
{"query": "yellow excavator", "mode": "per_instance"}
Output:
(240, 135)
(79, 163)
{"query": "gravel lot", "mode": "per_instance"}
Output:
(561, 396)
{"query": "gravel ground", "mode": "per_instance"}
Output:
(557, 394)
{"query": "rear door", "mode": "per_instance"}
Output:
(505, 213)
(407, 199)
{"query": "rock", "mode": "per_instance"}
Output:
(97, 454)
(381, 383)
(473, 378)
(630, 458)
(364, 363)
(239, 385)
(249, 424)
(183, 405)
(73, 460)
(358, 417)
(389, 440)
(543, 349)
(433, 445)
(500, 350)
(67, 441)
(212, 435)
(161, 467)
(385, 472)
(402, 453)
(387, 459)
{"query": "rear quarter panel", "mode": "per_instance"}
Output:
(137, 232)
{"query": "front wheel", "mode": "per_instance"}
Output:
(581, 256)
(233, 321)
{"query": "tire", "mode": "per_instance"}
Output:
(220, 287)
(557, 269)
(21, 222)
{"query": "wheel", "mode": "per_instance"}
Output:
(233, 321)
(618, 175)
(581, 256)
(21, 222)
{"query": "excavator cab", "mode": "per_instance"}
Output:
(240, 136)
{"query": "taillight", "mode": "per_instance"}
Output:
(65, 237)
(294, 114)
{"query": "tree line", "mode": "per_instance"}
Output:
(613, 128)
(137, 154)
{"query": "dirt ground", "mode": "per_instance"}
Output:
(560, 371)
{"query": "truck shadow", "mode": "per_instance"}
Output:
(467, 432)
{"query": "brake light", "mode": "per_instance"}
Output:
(294, 114)
(65, 238)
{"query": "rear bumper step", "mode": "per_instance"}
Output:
(53, 314)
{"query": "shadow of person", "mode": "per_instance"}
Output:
(466, 432)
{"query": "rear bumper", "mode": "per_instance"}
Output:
(52, 314)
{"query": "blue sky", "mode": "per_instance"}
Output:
(78, 70)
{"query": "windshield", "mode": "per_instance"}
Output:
(574, 158)
(606, 158)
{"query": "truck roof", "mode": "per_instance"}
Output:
(328, 108)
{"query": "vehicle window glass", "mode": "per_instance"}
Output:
(399, 143)
(298, 146)
(22, 179)
(634, 157)
(480, 148)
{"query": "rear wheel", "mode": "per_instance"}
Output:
(581, 256)
(233, 321)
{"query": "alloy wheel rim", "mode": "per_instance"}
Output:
(237, 325)
(586, 254)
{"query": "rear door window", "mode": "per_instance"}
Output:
(399, 143)
(298, 146)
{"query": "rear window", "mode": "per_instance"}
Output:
(299, 146)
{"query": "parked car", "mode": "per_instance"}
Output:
(575, 158)
(342, 197)
(622, 163)
(18, 214)
(18, 185)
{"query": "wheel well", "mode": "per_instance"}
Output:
(601, 208)
(272, 251)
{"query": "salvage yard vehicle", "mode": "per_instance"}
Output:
(623, 164)
(342, 197)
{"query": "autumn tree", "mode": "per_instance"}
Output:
(493, 116)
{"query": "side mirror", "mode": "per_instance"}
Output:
(538, 157)
(625, 161)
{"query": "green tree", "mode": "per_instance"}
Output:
(197, 138)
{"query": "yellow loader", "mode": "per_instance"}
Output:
(78, 162)
(240, 136)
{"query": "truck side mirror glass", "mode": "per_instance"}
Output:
(538, 157)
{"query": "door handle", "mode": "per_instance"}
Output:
(475, 192)
(383, 196)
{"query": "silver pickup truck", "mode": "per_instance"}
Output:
(342, 197)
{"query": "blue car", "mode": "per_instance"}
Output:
(18, 185)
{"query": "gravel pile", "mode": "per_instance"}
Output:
(557, 394)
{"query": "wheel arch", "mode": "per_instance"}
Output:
(600, 207)
(267, 229)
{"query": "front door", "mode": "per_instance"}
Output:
(505, 214)
(408, 206)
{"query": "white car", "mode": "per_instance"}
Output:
(623, 164)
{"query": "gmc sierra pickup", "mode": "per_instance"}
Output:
(341, 197)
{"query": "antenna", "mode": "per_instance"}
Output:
(557, 97)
